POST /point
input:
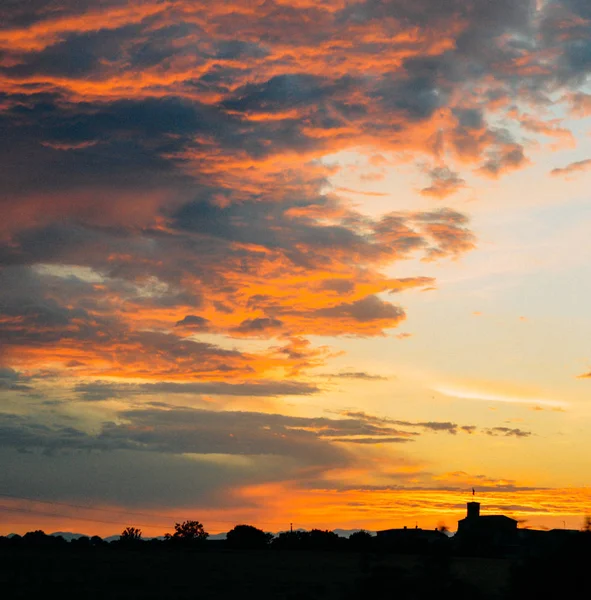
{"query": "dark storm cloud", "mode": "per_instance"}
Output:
(567, 25)
(77, 56)
(415, 97)
(268, 223)
(283, 92)
(122, 142)
(149, 137)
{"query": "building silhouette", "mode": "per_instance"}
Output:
(412, 540)
(486, 534)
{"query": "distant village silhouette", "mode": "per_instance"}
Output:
(484, 535)
(487, 535)
(488, 558)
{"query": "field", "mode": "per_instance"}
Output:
(224, 574)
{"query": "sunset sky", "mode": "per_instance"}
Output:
(292, 261)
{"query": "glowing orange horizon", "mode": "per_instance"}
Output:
(278, 506)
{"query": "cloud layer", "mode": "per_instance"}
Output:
(170, 228)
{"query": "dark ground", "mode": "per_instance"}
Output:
(260, 574)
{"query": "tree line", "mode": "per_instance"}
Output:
(192, 534)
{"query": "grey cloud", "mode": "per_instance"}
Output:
(80, 54)
(25, 434)
(508, 432)
(188, 430)
(101, 390)
(43, 310)
(367, 309)
(32, 315)
(470, 118)
(434, 426)
(341, 286)
(258, 325)
(443, 215)
(195, 431)
(581, 165)
(194, 322)
(512, 157)
(356, 375)
(13, 380)
(468, 428)
(439, 426)
(444, 183)
(177, 430)
(158, 456)
(267, 223)
(143, 140)
(566, 26)
(415, 91)
(373, 441)
(417, 96)
(135, 479)
(74, 307)
(281, 93)
(129, 141)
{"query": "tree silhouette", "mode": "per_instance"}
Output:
(290, 540)
(97, 541)
(324, 540)
(360, 540)
(248, 537)
(188, 532)
(40, 539)
(130, 534)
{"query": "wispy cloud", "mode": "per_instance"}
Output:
(480, 396)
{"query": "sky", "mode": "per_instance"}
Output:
(285, 261)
